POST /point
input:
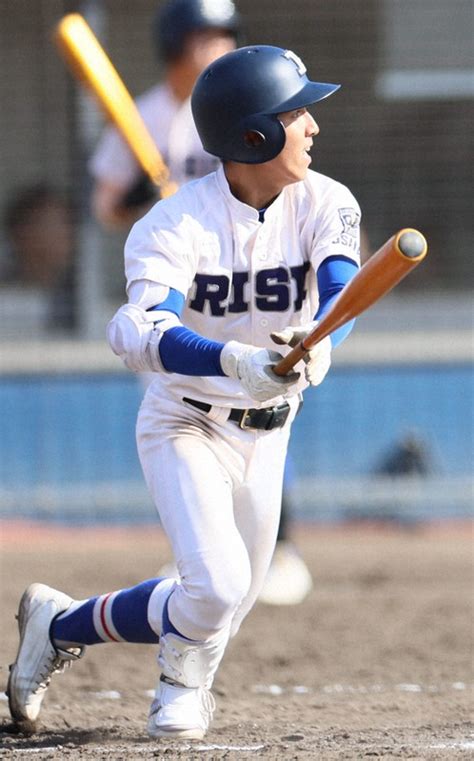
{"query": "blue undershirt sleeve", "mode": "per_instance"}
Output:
(185, 352)
(174, 302)
(332, 275)
(181, 349)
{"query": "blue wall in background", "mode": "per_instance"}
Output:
(66, 429)
(354, 418)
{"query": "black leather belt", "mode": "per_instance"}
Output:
(265, 419)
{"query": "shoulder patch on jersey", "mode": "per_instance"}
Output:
(350, 219)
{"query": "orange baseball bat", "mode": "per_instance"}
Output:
(390, 264)
(90, 63)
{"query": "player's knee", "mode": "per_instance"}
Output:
(229, 590)
(215, 593)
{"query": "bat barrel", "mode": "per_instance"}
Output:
(392, 262)
(411, 244)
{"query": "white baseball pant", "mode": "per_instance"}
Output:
(217, 489)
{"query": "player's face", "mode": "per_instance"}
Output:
(292, 163)
(259, 184)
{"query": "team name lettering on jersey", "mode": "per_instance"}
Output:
(275, 290)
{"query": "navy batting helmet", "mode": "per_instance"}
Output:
(236, 101)
(176, 19)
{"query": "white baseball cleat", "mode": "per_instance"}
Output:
(37, 658)
(179, 711)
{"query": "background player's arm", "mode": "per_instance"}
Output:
(119, 195)
(118, 206)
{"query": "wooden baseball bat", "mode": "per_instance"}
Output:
(91, 65)
(390, 264)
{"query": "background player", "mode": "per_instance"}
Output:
(188, 35)
(217, 274)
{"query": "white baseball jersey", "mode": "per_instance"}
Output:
(242, 279)
(171, 126)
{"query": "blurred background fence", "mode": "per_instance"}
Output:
(390, 433)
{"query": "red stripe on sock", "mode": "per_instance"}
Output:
(102, 619)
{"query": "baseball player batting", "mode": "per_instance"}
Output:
(233, 265)
(188, 35)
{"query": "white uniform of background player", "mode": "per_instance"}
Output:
(170, 124)
(217, 274)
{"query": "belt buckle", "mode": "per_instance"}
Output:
(245, 414)
(280, 416)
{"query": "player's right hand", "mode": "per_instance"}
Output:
(253, 367)
(317, 359)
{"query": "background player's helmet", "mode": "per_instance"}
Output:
(176, 19)
(237, 98)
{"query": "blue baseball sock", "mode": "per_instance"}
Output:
(121, 616)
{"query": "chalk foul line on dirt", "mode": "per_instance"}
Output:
(145, 748)
(335, 689)
(301, 689)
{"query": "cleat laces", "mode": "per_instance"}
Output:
(208, 702)
(57, 663)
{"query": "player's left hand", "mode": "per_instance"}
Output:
(318, 359)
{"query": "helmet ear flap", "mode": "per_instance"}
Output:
(253, 138)
(259, 138)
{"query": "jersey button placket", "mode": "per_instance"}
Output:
(254, 265)
(262, 258)
(261, 246)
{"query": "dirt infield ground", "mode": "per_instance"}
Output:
(376, 663)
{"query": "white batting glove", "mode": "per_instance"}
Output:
(253, 367)
(318, 359)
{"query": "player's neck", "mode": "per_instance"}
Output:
(250, 185)
(180, 81)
